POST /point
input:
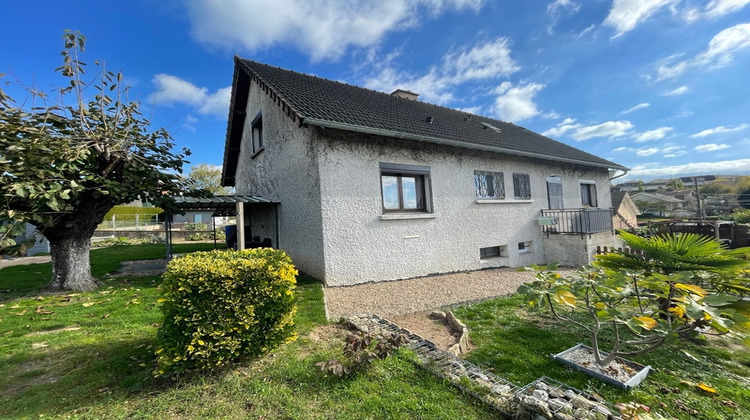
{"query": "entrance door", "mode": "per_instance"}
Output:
(554, 193)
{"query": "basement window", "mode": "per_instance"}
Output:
(493, 252)
(524, 247)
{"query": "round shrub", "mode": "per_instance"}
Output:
(219, 306)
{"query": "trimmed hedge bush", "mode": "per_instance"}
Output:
(222, 305)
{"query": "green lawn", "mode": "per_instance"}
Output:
(89, 355)
(517, 345)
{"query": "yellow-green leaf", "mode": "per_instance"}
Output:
(706, 388)
(696, 290)
(678, 311)
(646, 322)
(564, 297)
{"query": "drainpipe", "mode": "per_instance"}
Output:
(625, 172)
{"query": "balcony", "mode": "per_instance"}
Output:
(579, 221)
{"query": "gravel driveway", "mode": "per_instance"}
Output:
(424, 293)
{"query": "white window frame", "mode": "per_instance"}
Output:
(589, 185)
(423, 189)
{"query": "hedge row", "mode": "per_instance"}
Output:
(127, 213)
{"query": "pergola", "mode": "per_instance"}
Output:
(222, 205)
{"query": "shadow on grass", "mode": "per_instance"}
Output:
(55, 381)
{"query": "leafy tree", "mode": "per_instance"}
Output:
(677, 287)
(654, 207)
(65, 162)
(720, 186)
(208, 178)
(675, 184)
(744, 198)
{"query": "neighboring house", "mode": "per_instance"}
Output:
(41, 244)
(626, 211)
(659, 204)
(195, 216)
(369, 186)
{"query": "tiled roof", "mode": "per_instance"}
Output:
(317, 101)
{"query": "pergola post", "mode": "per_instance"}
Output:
(168, 234)
(240, 225)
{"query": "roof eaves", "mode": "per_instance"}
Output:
(436, 140)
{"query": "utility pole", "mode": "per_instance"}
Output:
(698, 197)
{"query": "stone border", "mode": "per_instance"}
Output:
(544, 398)
(455, 326)
(487, 387)
(554, 400)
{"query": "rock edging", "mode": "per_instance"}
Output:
(496, 392)
(457, 327)
(544, 398)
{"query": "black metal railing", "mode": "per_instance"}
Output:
(579, 221)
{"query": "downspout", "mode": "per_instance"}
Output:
(625, 172)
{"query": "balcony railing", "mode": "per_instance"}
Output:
(580, 221)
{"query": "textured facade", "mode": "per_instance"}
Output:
(454, 208)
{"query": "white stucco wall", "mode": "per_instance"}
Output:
(361, 244)
(286, 172)
(577, 250)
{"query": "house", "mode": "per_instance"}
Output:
(369, 186)
(626, 211)
(660, 204)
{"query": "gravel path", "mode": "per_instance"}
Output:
(424, 293)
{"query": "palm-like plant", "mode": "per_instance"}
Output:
(666, 254)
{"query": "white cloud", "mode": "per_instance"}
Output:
(711, 147)
(722, 7)
(625, 15)
(484, 61)
(636, 108)
(648, 152)
(719, 53)
(677, 91)
(320, 28)
(552, 115)
(610, 129)
(174, 90)
(673, 152)
(556, 9)
(656, 134)
(516, 103)
(719, 130)
(580, 132)
(692, 168)
(561, 128)
(586, 31)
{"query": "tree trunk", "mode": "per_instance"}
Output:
(71, 269)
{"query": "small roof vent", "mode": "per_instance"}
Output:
(491, 127)
(428, 120)
(401, 93)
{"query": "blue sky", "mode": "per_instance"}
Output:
(660, 86)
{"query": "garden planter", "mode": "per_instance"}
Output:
(620, 373)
